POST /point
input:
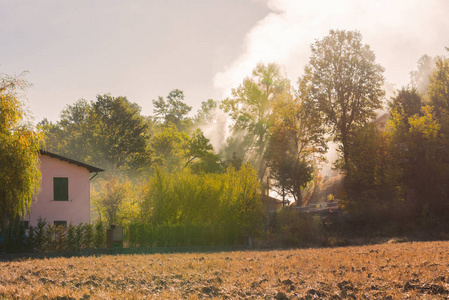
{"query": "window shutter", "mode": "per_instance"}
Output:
(60, 189)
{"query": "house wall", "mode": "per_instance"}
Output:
(77, 209)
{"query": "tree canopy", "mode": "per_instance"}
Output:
(250, 107)
(173, 110)
(295, 146)
(109, 132)
(344, 84)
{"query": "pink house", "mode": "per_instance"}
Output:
(64, 196)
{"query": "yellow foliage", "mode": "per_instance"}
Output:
(426, 125)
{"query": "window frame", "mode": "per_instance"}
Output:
(60, 223)
(58, 189)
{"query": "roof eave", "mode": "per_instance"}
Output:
(90, 168)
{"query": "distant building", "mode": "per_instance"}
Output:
(64, 195)
(382, 121)
(271, 204)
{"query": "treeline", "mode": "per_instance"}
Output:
(400, 173)
(163, 172)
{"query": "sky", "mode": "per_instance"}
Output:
(143, 49)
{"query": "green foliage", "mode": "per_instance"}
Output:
(99, 235)
(401, 173)
(176, 235)
(169, 146)
(199, 146)
(115, 199)
(344, 84)
(173, 110)
(438, 92)
(71, 238)
(296, 140)
(109, 132)
(427, 170)
(39, 235)
(250, 109)
(19, 153)
(288, 228)
(227, 200)
(406, 103)
(75, 237)
(49, 238)
(79, 236)
(13, 236)
(119, 133)
(200, 154)
(374, 191)
(241, 195)
(206, 113)
(88, 235)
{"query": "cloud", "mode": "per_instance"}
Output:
(399, 32)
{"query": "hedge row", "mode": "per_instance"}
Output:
(49, 238)
(175, 235)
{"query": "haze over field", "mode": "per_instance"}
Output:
(144, 49)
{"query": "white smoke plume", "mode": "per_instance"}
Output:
(399, 32)
(218, 130)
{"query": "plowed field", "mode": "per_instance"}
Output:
(387, 271)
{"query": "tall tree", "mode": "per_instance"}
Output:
(296, 144)
(420, 78)
(344, 83)
(250, 108)
(115, 199)
(206, 114)
(374, 188)
(19, 153)
(438, 92)
(169, 146)
(173, 110)
(200, 154)
(71, 136)
(120, 133)
(407, 102)
(109, 132)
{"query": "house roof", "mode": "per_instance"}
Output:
(91, 169)
(382, 120)
(269, 199)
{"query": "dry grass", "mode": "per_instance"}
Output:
(388, 271)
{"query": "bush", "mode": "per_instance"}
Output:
(289, 228)
(88, 236)
(14, 239)
(71, 240)
(49, 238)
(173, 235)
(100, 235)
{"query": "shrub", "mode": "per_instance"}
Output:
(100, 235)
(289, 228)
(88, 236)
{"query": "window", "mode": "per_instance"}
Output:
(60, 223)
(60, 189)
(25, 224)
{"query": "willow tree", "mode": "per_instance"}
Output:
(343, 82)
(19, 153)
